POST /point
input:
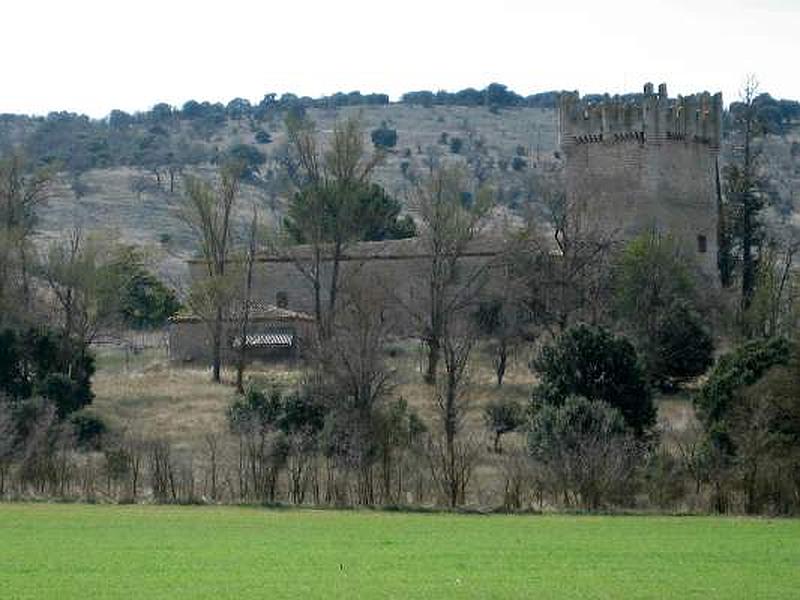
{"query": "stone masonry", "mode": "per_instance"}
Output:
(634, 166)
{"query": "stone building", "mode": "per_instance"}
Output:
(631, 166)
(649, 163)
(273, 333)
(398, 268)
(282, 323)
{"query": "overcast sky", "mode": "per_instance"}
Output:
(92, 56)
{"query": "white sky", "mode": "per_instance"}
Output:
(92, 56)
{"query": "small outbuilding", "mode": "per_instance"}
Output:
(273, 333)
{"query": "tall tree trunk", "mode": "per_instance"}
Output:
(450, 440)
(502, 361)
(724, 250)
(248, 292)
(216, 351)
(748, 223)
(317, 283)
(333, 292)
(434, 354)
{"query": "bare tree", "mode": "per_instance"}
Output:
(773, 309)
(352, 361)
(21, 192)
(565, 268)
(244, 311)
(453, 213)
(77, 272)
(208, 212)
(7, 442)
(452, 454)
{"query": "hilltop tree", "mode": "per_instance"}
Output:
(384, 137)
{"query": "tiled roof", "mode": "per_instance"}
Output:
(415, 247)
(267, 340)
(259, 311)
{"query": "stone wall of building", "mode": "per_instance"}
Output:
(648, 164)
(397, 269)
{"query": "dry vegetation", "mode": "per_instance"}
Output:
(160, 399)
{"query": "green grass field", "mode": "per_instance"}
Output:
(75, 551)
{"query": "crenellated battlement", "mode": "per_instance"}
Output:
(646, 162)
(651, 118)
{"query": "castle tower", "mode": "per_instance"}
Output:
(635, 165)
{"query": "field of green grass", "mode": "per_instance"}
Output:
(79, 551)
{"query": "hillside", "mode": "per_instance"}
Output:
(124, 173)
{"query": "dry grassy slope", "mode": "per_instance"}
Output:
(149, 217)
(783, 169)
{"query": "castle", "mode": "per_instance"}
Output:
(631, 166)
(649, 163)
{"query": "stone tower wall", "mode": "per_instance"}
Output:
(635, 166)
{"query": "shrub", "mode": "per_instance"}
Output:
(45, 364)
(735, 370)
(588, 456)
(249, 156)
(384, 137)
(456, 144)
(89, 429)
(683, 348)
(764, 434)
(501, 417)
(262, 137)
(591, 362)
